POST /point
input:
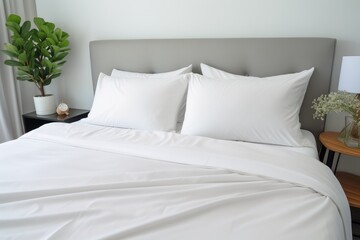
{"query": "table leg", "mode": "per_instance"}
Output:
(337, 162)
(330, 159)
(322, 153)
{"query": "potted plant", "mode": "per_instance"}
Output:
(37, 54)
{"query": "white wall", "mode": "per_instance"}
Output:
(87, 20)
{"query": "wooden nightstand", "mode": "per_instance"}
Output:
(349, 182)
(32, 121)
(329, 141)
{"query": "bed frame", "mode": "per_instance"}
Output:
(246, 56)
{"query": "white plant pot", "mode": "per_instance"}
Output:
(45, 105)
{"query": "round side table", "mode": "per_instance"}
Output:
(330, 142)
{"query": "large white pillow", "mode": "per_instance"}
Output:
(138, 103)
(185, 70)
(120, 73)
(262, 110)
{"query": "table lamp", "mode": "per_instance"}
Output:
(350, 74)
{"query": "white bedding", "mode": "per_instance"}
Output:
(310, 150)
(80, 181)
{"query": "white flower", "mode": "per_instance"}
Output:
(337, 102)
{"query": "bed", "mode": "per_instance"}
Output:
(95, 181)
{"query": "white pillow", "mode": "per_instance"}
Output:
(138, 103)
(262, 110)
(212, 72)
(188, 69)
(119, 73)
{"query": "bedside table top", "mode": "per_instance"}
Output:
(331, 142)
(73, 112)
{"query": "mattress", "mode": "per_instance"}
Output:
(81, 181)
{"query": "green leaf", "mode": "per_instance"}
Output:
(23, 73)
(36, 73)
(65, 49)
(22, 57)
(45, 29)
(32, 61)
(23, 78)
(11, 54)
(47, 82)
(56, 49)
(25, 28)
(56, 70)
(64, 44)
(13, 63)
(65, 35)
(55, 75)
(60, 56)
(48, 64)
(45, 52)
(11, 29)
(44, 44)
(14, 18)
(54, 37)
(25, 69)
(46, 72)
(58, 33)
(19, 42)
(61, 63)
(27, 35)
(42, 35)
(39, 22)
(13, 26)
(11, 48)
(50, 26)
(28, 46)
(51, 41)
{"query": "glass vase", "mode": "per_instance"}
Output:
(350, 133)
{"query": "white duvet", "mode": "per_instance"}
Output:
(80, 181)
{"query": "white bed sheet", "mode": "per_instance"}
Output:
(310, 150)
(80, 181)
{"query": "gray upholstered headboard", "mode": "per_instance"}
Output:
(247, 56)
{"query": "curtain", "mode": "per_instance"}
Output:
(10, 88)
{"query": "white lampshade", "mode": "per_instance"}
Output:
(350, 74)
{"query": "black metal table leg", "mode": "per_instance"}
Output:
(337, 162)
(322, 153)
(330, 159)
